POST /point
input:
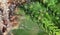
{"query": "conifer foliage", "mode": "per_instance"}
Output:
(45, 13)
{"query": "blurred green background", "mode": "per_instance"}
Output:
(39, 17)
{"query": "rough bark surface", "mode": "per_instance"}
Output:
(7, 17)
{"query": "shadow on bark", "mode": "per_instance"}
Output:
(1, 33)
